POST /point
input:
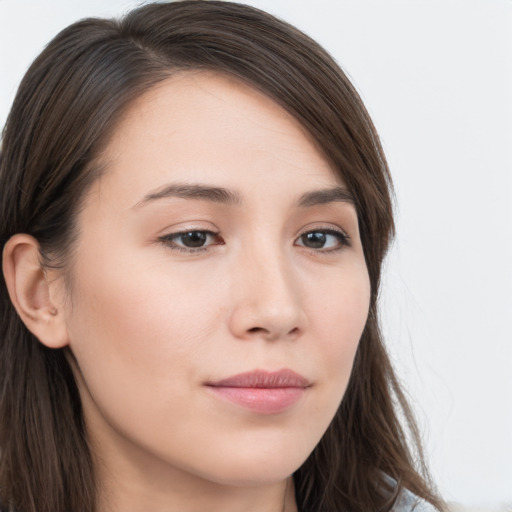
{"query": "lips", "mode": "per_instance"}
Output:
(261, 391)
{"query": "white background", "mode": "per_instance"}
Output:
(436, 76)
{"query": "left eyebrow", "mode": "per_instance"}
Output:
(193, 191)
(325, 196)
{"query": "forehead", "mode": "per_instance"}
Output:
(207, 127)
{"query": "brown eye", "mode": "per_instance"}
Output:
(324, 239)
(192, 240)
(314, 240)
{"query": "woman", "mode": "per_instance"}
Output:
(195, 208)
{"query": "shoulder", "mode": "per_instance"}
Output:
(409, 502)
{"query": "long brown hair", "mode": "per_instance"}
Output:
(67, 106)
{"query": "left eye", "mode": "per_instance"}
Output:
(191, 240)
(326, 239)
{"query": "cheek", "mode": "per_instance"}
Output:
(138, 345)
(339, 317)
(138, 321)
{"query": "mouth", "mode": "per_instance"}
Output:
(261, 391)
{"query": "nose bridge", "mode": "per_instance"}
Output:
(267, 299)
(273, 279)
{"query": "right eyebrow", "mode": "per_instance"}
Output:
(192, 191)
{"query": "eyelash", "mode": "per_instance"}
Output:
(169, 240)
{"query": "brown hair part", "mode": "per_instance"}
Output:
(66, 107)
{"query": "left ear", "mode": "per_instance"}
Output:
(32, 293)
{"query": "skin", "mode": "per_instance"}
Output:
(150, 321)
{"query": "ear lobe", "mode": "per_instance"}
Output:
(29, 290)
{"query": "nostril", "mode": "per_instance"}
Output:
(268, 333)
(256, 330)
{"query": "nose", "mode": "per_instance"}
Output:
(268, 301)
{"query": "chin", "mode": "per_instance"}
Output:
(252, 476)
(256, 467)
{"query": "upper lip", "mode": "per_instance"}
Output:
(263, 379)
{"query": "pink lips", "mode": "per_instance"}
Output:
(261, 391)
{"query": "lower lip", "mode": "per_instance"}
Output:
(261, 400)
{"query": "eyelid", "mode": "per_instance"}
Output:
(323, 226)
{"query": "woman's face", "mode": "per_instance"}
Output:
(219, 288)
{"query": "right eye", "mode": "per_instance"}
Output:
(191, 241)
